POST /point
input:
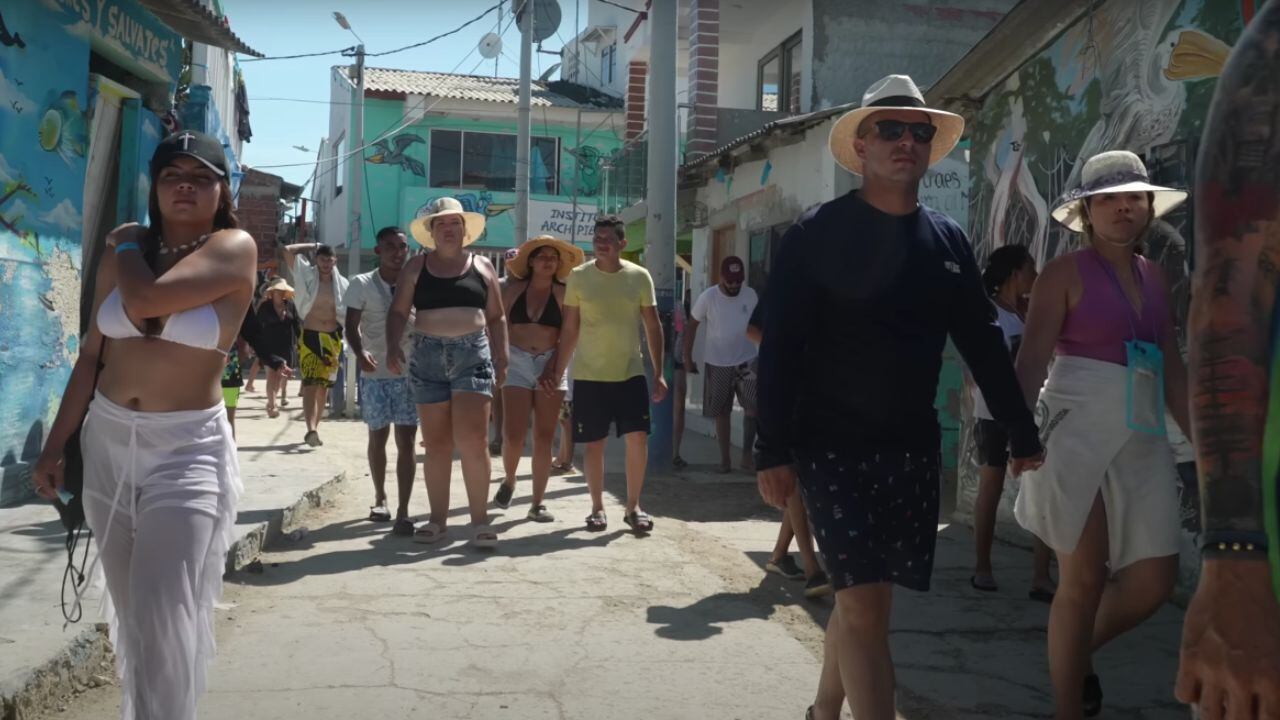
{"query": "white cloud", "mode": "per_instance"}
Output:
(9, 94)
(7, 172)
(15, 208)
(64, 217)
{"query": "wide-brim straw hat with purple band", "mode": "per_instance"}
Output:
(1117, 171)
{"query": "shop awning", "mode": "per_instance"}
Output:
(192, 20)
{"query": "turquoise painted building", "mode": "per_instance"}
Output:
(84, 91)
(427, 135)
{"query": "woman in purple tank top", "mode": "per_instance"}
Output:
(1106, 499)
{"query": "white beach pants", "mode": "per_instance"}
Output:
(160, 491)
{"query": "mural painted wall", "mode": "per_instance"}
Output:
(397, 171)
(44, 140)
(43, 143)
(1132, 75)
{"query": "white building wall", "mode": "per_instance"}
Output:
(333, 214)
(215, 67)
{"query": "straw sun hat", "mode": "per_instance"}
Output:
(895, 92)
(570, 256)
(420, 228)
(1118, 171)
(280, 284)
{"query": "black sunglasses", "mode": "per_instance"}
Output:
(892, 130)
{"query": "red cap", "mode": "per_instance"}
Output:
(732, 269)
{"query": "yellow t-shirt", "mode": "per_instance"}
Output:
(609, 341)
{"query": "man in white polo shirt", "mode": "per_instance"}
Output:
(728, 355)
(385, 399)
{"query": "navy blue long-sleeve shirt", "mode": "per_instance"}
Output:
(856, 315)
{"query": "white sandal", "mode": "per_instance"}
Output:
(484, 537)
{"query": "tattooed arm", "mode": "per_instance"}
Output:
(1231, 640)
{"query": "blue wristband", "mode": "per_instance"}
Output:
(127, 246)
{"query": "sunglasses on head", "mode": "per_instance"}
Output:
(892, 130)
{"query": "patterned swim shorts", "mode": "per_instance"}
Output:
(387, 401)
(874, 514)
(318, 354)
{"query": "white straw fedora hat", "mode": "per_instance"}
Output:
(421, 225)
(895, 92)
(570, 256)
(1117, 171)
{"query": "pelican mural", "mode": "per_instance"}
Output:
(389, 155)
(1130, 74)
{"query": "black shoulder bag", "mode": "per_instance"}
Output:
(72, 511)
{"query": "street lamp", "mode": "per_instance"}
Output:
(356, 142)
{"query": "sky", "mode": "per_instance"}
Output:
(289, 99)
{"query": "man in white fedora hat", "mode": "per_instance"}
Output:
(865, 290)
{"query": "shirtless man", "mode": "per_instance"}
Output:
(320, 290)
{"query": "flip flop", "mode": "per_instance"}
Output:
(679, 463)
(403, 527)
(429, 533)
(379, 513)
(563, 468)
(484, 537)
(986, 585)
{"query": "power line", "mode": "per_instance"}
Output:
(624, 7)
(458, 29)
(349, 51)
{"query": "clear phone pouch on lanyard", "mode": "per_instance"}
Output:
(1144, 395)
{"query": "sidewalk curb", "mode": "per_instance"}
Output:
(87, 661)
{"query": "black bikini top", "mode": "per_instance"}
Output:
(468, 290)
(550, 317)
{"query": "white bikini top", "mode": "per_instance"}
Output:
(197, 327)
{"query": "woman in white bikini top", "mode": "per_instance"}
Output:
(161, 478)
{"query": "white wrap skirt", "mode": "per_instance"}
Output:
(1090, 450)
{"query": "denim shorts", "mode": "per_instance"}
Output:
(524, 369)
(441, 366)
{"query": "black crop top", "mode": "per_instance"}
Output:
(468, 290)
(550, 316)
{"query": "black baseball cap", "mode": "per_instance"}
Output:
(194, 144)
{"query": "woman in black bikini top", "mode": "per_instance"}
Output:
(533, 296)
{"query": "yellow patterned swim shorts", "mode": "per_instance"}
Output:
(318, 354)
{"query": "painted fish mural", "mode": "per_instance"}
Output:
(63, 128)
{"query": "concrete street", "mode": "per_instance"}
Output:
(346, 621)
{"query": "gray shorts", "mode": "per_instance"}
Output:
(524, 369)
(720, 384)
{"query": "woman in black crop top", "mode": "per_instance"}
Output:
(533, 296)
(459, 353)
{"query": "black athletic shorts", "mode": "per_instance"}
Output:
(874, 514)
(992, 443)
(596, 405)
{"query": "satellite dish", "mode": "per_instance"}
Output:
(546, 18)
(490, 46)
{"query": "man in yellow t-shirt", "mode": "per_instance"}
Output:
(604, 303)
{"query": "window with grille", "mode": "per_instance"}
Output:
(487, 161)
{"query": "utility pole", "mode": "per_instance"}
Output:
(522, 119)
(660, 226)
(355, 140)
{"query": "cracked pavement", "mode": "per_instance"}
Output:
(557, 623)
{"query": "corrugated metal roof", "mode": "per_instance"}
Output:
(463, 87)
(793, 124)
